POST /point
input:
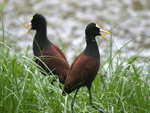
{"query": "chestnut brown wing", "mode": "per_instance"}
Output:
(82, 72)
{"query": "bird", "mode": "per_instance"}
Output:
(85, 66)
(45, 51)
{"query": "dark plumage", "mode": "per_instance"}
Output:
(49, 53)
(86, 65)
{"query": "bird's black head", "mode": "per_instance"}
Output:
(93, 29)
(37, 22)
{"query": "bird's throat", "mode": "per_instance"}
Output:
(92, 48)
(40, 41)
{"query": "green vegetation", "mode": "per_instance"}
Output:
(121, 86)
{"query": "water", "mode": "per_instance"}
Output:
(67, 20)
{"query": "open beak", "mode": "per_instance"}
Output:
(104, 32)
(29, 24)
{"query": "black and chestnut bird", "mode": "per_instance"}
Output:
(46, 51)
(86, 65)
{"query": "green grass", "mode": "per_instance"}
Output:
(121, 86)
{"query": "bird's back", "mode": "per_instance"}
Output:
(82, 72)
(55, 60)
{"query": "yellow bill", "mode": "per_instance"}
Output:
(104, 36)
(104, 32)
(26, 26)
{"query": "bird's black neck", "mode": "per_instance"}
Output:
(91, 47)
(40, 40)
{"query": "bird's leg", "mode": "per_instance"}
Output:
(72, 103)
(92, 102)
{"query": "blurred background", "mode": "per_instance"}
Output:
(67, 19)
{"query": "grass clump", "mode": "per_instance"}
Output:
(122, 85)
(23, 89)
